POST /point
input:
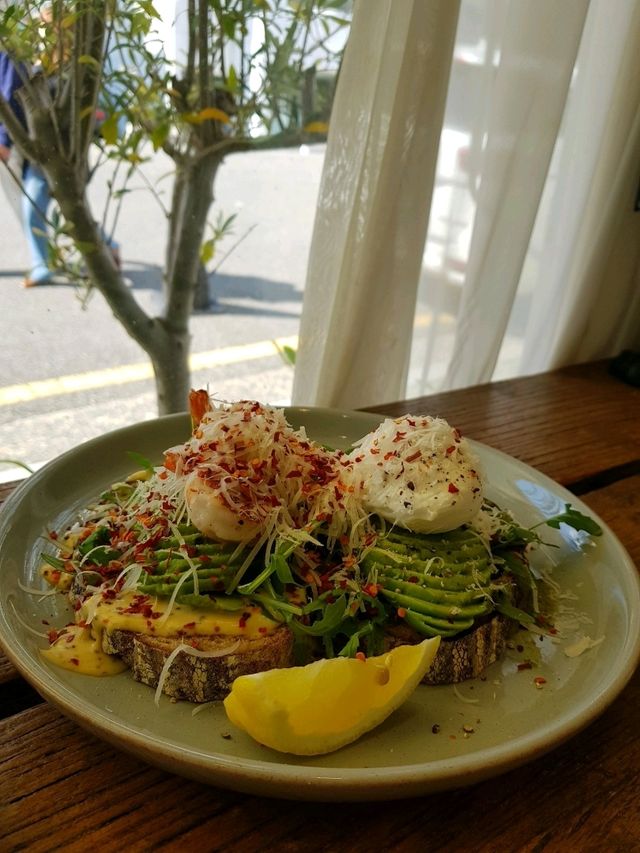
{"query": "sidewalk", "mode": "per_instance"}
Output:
(45, 332)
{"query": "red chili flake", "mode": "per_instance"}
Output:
(242, 622)
(53, 535)
(75, 661)
(398, 436)
(262, 630)
(413, 456)
(525, 665)
(539, 681)
(453, 489)
(53, 636)
(293, 474)
(361, 656)
(401, 612)
(189, 625)
(450, 450)
(457, 434)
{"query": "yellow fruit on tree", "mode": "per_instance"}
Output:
(314, 709)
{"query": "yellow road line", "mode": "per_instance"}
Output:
(126, 373)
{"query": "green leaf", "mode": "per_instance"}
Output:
(9, 12)
(287, 354)
(228, 24)
(150, 9)
(158, 136)
(140, 460)
(102, 555)
(232, 80)
(85, 59)
(54, 562)
(333, 615)
(283, 572)
(17, 463)
(353, 644)
(514, 613)
(100, 536)
(290, 354)
(207, 251)
(573, 518)
(207, 114)
(109, 129)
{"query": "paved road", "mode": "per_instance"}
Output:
(47, 332)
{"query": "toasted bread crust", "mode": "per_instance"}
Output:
(463, 657)
(199, 679)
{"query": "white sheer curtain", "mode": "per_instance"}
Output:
(371, 219)
(533, 246)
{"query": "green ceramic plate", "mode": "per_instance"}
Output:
(512, 720)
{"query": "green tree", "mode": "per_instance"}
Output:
(99, 91)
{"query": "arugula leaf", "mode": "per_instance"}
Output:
(333, 615)
(102, 555)
(353, 644)
(514, 613)
(573, 518)
(140, 460)
(54, 562)
(100, 536)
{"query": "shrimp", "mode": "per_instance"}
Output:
(211, 515)
(199, 405)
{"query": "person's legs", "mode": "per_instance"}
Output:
(34, 208)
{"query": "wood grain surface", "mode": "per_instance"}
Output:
(61, 788)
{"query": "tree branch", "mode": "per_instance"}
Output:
(95, 49)
(18, 134)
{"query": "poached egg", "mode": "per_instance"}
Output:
(419, 473)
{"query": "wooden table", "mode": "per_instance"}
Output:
(63, 788)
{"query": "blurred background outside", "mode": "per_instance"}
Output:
(69, 371)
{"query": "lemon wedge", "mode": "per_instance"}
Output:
(318, 708)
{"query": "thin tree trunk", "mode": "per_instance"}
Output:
(171, 370)
(166, 344)
(202, 298)
(188, 232)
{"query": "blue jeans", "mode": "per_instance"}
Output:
(35, 203)
(34, 209)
